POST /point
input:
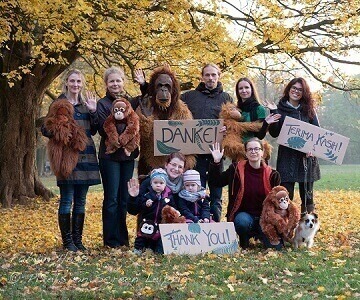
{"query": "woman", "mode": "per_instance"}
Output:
(74, 188)
(249, 183)
(117, 168)
(297, 103)
(251, 109)
(174, 167)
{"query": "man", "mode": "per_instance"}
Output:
(205, 103)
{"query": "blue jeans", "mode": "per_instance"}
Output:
(70, 192)
(247, 226)
(202, 166)
(115, 176)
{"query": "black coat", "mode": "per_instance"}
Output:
(204, 103)
(290, 162)
(195, 211)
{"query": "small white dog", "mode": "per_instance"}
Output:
(306, 230)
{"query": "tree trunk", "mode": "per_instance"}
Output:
(19, 107)
(18, 178)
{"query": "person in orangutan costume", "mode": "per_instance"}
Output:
(162, 102)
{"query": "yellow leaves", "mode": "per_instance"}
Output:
(321, 289)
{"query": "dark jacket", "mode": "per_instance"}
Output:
(134, 203)
(104, 106)
(231, 178)
(86, 170)
(204, 103)
(290, 162)
(195, 211)
(153, 212)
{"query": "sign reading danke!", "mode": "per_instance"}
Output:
(196, 238)
(186, 136)
(305, 137)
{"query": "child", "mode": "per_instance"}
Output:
(151, 204)
(193, 201)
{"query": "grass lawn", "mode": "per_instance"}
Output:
(334, 177)
(34, 266)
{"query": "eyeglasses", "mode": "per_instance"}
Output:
(174, 165)
(256, 150)
(294, 88)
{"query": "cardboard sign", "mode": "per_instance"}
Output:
(186, 136)
(305, 137)
(196, 238)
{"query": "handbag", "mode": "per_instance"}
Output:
(150, 229)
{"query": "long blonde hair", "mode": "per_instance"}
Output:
(64, 88)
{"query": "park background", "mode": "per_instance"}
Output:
(269, 41)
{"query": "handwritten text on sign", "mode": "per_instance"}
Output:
(195, 238)
(305, 137)
(186, 136)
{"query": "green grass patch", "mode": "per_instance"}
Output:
(116, 274)
(334, 177)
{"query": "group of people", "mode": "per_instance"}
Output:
(249, 181)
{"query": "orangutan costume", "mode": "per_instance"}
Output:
(279, 216)
(68, 138)
(232, 142)
(162, 102)
(129, 139)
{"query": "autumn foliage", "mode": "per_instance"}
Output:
(34, 228)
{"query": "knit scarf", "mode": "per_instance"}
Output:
(175, 185)
(249, 105)
(192, 197)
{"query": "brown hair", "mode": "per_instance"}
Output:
(211, 65)
(254, 139)
(177, 155)
(254, 94)
(306, 99)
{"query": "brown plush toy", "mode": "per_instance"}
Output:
(171, 215)
(232, 142)
(129, 139)
(68, 138)
(279, 216)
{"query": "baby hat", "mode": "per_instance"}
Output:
(193, 176)
(158, 173)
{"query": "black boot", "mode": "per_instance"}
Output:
(77, 230)
(64, 224)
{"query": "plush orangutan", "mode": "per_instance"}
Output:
(279, 216)
(129, 139)
(232, 142)
(68, 138)
(171, 215)
(162, 102)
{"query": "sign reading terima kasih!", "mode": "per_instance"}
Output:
(196, 238)
(186, 136)
(305, 137)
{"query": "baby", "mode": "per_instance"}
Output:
(193, 201)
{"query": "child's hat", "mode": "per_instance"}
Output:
(193, 176)
(158, 173)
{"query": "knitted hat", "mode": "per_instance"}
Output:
(193, 176)
(158, 173)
